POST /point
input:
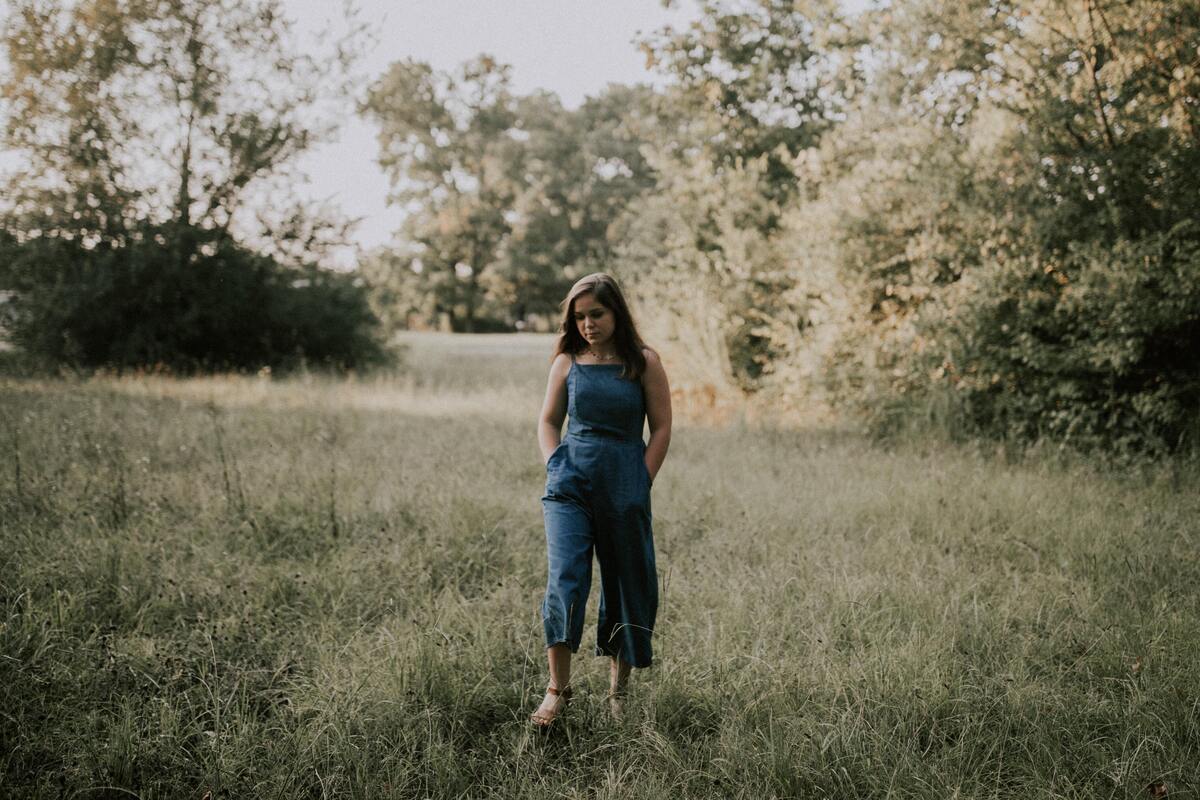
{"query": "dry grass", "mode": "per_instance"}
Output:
(329, 588)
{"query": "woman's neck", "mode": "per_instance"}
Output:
(600, 353)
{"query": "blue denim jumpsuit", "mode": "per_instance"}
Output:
(598, 498)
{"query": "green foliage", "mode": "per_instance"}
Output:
(975, 215)
(712, 287)
(1097, 347)
(764, 79)
(1077, 314)
(723, 286)
(445, 145)
(159, 110)
(508, 199)
(578, 171)
(157, 137)
(184, 301)
(983, 214)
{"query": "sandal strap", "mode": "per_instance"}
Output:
(565, 691)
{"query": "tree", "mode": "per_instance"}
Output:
(128, 112)
(982, 211)
(508, 198)
(447, 143)
(759, 85)
(150, 131)
(1082, 319)
(765, 78)
(1010, 205)
(576, 174)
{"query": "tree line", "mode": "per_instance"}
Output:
(507, 197)
(980, 216)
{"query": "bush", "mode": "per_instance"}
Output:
(1096, 347)
(186, 300)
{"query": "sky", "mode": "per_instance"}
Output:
(573, 48)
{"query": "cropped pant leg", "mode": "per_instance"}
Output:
(569, 545)
(628, 582)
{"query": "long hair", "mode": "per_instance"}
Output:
(625, 335)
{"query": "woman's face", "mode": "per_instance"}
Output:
(595, 322)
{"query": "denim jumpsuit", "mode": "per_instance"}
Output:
(598, 498)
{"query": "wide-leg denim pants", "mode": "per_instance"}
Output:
(597, 501)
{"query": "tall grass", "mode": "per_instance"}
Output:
(311, 588)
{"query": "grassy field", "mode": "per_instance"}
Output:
(312, 588)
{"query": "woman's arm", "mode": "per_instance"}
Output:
(554, 407)
(658, 412)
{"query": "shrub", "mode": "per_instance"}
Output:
(1098, 346)
(183, 299)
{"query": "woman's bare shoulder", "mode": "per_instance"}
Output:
(561, 365)
(654, 372)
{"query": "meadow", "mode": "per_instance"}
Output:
(242, 587)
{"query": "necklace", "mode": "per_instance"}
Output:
(599, 357)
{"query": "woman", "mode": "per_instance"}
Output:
(598, 487)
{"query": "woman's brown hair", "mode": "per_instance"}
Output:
(625, 336)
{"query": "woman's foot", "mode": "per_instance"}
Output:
(618, 682)
(616, 705)
(552, 705)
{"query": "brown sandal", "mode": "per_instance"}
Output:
(545, 722)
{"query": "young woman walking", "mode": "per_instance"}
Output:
(598, 487)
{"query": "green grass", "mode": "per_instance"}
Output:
(314, 588)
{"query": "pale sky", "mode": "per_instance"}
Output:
(573, 48)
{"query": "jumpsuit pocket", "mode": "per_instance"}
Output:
(553, 454)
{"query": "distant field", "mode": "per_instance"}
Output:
(484, 361)
(320, 588)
